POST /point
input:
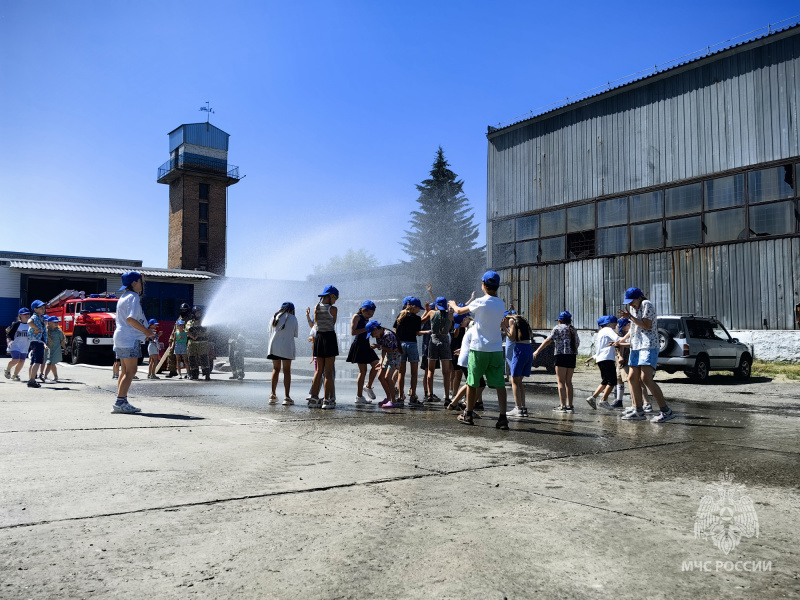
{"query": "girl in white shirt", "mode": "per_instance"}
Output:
(282, 350)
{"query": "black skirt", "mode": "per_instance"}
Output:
(360, 351)
(566, 361)
(326, 345)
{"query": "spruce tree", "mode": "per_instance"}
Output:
(441, 242)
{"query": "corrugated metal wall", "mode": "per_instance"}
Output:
(735, 111)
(9, 283)
(747, 286)
(199, 134)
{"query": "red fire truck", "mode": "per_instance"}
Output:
(88, 323)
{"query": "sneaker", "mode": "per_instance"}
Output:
(288, 401)
(34, 384)
(465, 419)
(628, 410)
(617, 404)
(634, 416)
(55, 379)
(387, 404)
(400, 402)
(115, 376)
(412, 395)
(16, 378)
(370, 392)
(604, 404)
(328, 404)
(7, 374)
(663, 416)
(415, 402)
(569, 409)
(125, 409)
(517, 411)
(559, 409)
(502, 423)
(314, 402)
(273, 399)
(592, 401)
(41, 377)
(361, 401)
(648, 408)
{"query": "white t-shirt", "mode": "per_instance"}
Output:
(21, 342)
(281, 341)
(125, 336)
(604, 337)
(463, 355)
(488, 314)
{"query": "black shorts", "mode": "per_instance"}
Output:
(566, 360)
(37, 352)
(326, 345)
(608, 371)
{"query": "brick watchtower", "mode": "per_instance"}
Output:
(198, 175)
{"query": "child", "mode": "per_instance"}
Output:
(604, 357)
(390, 360)
(621, 354)
(180, 349)
(439, 345)
(37, 334)
(56, 342)
(566, 342)
(18, 343)
(282, 350)
(130, 332)
(460, 324)
(462, 363)
(326, 348)
(486, 347)
(362, 354)
(408, 327)
(519, 354)
(153, 350)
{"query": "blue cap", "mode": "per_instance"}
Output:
(611, 319)
(180, 322)
(54, 319)
(622, 323)
(413, 301)
(329, 289)
(288, 305)
(441, 303)
(36, 304)
(457, 318)
(128, 278)
(632, 294)
(491, 278)
(566, 317)
(509, 312)
(368, 305)
(152, 322)
(23, 311)
(372, 326)
(602, 321)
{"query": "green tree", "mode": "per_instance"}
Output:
(442, 240)
(353, 261)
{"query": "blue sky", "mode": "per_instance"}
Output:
(335, 109)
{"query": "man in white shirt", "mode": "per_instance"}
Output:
(486, 347)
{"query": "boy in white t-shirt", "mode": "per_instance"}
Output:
(604, 358)
(486, 347)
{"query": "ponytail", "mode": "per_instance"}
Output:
(276, 317)
(573, 338)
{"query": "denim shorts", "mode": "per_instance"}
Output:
(643, 358)
(18, 355)
(37, 353)
(135, 352)
(410, 352)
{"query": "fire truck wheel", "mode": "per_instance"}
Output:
(78, 351)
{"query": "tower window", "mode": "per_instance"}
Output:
(202, 251)
(203, 231)
(204, 211)
(204, 189)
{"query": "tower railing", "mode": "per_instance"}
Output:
(197, 162)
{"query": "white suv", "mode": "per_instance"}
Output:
(698, 345)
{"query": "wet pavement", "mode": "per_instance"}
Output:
(366, 502)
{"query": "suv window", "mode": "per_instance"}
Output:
(720, 333)
(671, 326)
(700, 329)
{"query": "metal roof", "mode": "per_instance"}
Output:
(107, 269)
(493, 131)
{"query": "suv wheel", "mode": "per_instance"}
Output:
(744, 368)
(701, 369)
(665, 342)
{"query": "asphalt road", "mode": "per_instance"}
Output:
(209, 492)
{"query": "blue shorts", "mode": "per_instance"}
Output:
(521, 360)
(135, 352)
(18, 355)
(643, 358)
(37, 353)
(410, 351)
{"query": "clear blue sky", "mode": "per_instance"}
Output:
(335, 109)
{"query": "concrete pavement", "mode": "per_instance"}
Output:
(212, 493)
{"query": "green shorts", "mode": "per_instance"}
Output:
(490, 364)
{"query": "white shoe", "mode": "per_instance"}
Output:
(7, 374)
(370, 393)
(604, 404)
(634, 416)
(648, 408)
(663, 416)
(314, 402)
(328, 404)
(288, 401)
(126, 408)
(361, 401)
(273, 399)
(518, 411)
(592, 401)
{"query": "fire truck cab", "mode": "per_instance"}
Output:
(88, 323)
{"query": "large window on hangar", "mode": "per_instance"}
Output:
(752, 204)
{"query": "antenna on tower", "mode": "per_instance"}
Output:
(207, 108)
